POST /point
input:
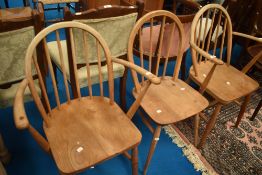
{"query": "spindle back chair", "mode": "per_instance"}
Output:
(173, 100)
(114, 24)
(211, 47)
(84, 131)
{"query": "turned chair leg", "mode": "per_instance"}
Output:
(152, 147)
(256, 110)
(123, 90)
(242, 109)
(4, 154)
(183, 67)
(196, 129)
(135, 161)
(210, 125)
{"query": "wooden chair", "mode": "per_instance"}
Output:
(84, 131)
(18, 27)
(40, 5)
(173, 100)
(114, 24)
(186, 11)
(214, 76)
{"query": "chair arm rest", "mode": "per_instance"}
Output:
(212, 58)
(151, 77)
(248, 36)
(20, 118)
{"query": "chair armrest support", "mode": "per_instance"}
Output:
(20, 118)
(151, 77)
(212, 58)
(248, 36)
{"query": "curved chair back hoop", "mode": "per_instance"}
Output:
(163, 24)
(211, 29)
(41, 38)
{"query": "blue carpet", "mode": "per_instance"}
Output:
(29, 159)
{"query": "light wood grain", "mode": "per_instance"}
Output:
(223, 82)
(170, 98)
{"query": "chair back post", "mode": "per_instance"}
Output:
(166, 19)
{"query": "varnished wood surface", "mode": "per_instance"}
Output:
(12, 14)
(227, 83)
(176, 101)
(101, 129)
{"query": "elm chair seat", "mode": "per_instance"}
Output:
(104, 135)
(227, 88)
(165, 103)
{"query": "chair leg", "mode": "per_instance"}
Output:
(4, 154)
(242, 109)
(210, 125)
(152, 147)
(196, 128)
(256, 110)
(135, 161)
(183, 67)
(123, 90)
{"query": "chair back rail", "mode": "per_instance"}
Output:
(166, 20)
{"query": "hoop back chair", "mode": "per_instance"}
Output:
(84, 131)
(211, 46)
(114, 24)
(186, 11)
(173, 100)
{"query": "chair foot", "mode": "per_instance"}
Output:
(242, 110)
(5, 157)
(135, 161)
(210, 125)
(152, 147)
